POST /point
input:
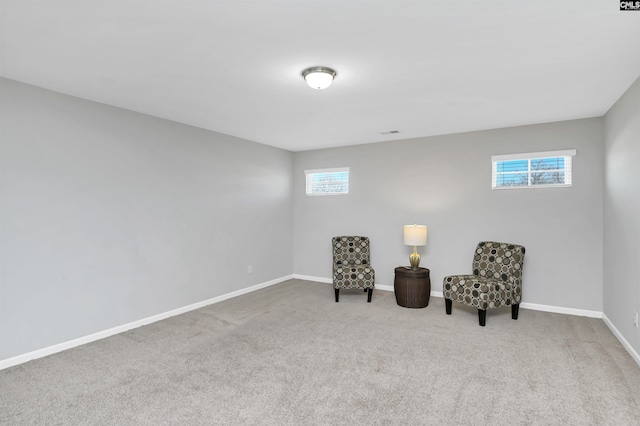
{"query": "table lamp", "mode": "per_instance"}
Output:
(415, 235)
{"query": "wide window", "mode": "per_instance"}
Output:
(532, 170)
(327, 181)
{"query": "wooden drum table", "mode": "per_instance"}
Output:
(412, 287)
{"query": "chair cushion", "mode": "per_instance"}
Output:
(481, 292)
(353, 277)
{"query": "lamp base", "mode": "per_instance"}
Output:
(414, 260)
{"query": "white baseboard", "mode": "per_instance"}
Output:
(523, 305)
(561, 310)
(620, 337)
(20, 359)
(384, 287)
(312, 278)
(329, 281)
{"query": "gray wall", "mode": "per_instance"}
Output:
(110, 216)
(622, 214)
(445, 183)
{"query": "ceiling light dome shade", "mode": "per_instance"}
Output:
(319, 77)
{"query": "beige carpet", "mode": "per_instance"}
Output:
(290, 355)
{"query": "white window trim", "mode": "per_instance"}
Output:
(568, 170)
(530, 155)
(317, 171)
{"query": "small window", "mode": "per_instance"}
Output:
(532, 170)
(327, 181)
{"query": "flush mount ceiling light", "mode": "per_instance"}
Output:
(319, 77)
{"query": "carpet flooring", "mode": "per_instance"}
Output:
(290, 355)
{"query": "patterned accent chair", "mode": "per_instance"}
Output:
(351, 265)
(496, 280)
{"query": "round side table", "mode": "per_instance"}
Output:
(412, 287)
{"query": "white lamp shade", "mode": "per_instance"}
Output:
(319, 80)
(415, 235)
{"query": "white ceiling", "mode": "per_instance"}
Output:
(420, 67)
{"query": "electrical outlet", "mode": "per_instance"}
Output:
(250, 270)
(635, 318)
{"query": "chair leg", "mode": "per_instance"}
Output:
(447, 304)
(369, 295)
(337, 293)
(482, 316)
(514, 311)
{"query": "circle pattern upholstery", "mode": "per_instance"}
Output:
(496, 279)
(351, 263)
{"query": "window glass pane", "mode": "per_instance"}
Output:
(547, 178)
(513, 166)
(330, 182)
(512, 179)
(556, 163)
(327, 182)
